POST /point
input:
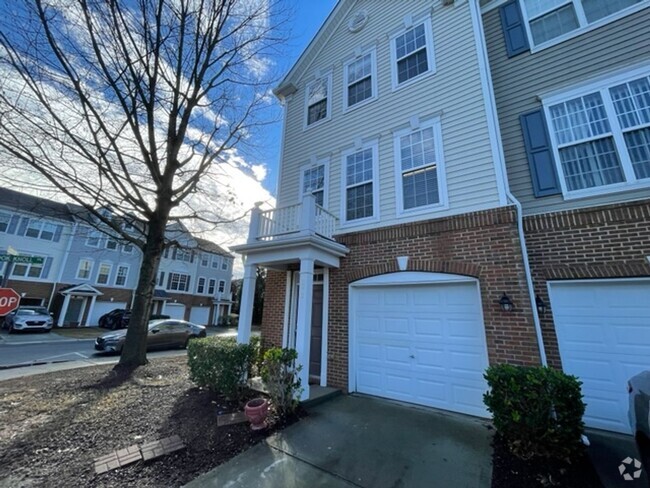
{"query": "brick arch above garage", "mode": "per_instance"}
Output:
(431, 266)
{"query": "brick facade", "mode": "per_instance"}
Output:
(599, 242)
(482, 244)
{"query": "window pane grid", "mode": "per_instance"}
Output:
(412, 66)
(359, 191)
(580, 118)
(419, 169)
(638, 146)
(410, 41)
(317, 112)
(359, 167)
(359, 91)
(632, 102)
(359, 202)
(362, 68)
(591, 164)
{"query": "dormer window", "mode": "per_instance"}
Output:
(318, 100)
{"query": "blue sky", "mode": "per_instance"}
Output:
(309, 16)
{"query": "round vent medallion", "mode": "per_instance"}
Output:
(358, 21)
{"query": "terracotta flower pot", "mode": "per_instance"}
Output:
(256, 412)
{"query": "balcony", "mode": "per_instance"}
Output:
(281, 236)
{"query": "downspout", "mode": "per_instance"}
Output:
(500, 166)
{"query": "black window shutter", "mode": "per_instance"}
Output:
(514, 29)
(169, 281)
(540, 154)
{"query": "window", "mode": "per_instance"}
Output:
(84, 269)
(205, 260)
(420, 172)
(111, 244)
(93, 238)
(313, 182)
(211, 285)
(127, 248)
(200, 286)
(222, 286)
(552, 19)
(318, 100)
(358, 179)
(104, 273)
(42, 230)
(5, 218)
(360, 80)
(215, 262)
(121, 275)
(412, 53)
(224, 264)
(602, 138)
(33, 270)
(178, 282)
(184, 255)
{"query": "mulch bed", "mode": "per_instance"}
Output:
(53, 425)
(508, 471)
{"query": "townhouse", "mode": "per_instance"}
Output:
(463, 183)
(87, 271)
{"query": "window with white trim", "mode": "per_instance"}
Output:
(224, 264)
(41, 230)
(30, 270)
(111, 244)
(318, 100)
(550, 19)
(93, 239)
(127, 248)
(212, 283)
(205, 260)
(184, 255)
(602, 138)
(121, 275)
(104, 273)
(200, 286)
(412, 53)
(419, 166)
(313, 182)
(360, 79)
(5, 218)
(215, 262)
(84, 269)
(222, 286)
(359, 182)
(178, 282)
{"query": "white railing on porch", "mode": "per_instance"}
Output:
(305, 218)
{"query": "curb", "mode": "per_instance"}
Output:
(34, 363)
(35, 343)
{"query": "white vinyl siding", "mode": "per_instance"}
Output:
(551, 21)
(454, 93)
(602, 138)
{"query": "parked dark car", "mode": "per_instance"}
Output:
(29, 318)
(119, 319)
(163, 334)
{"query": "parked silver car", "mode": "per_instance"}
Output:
(29, 318)
(163, 334)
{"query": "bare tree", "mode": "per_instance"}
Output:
(134, 105)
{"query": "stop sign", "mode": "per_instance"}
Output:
(9, 301)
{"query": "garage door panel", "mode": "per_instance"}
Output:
(426, 339)
(603, 331)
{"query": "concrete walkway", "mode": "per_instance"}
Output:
(365, 442)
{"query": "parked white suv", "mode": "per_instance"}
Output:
(29, 318)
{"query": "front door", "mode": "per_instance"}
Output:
(73, 314)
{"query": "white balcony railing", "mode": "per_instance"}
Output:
(305, 218)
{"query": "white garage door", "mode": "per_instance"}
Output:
(200, 315)
(101, 308)
(421, 344)
(175, 311)
(603, 332)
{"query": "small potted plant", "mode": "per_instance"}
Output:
(256, 412)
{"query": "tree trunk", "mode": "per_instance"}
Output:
(134, 353)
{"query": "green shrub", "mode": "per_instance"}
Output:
(228, 320)
(538, 411)
(220, 364)
(280, 376)
(258, 356)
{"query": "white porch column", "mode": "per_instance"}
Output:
(254, 226)
(246, 306)
(303, 322)
(308, 215)
(217, 313)
(90, 310)
(64, 310)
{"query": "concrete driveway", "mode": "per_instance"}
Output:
(365, 442)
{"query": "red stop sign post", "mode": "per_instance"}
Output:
(9, 301)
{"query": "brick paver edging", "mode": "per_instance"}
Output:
(134, 453)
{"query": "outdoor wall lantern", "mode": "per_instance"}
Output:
(112, 299)
(541, 305)
(506, 303)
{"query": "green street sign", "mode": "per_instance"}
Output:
(21, 259)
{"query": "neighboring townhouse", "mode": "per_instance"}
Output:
(572, 88)
(35, 227)
(194, 279)
(87, 273)
(393, 255)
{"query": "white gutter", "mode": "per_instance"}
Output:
(500, 165)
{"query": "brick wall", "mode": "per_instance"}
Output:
(602, 242)
(32, 289)
(483, 244)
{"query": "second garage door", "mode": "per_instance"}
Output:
(603, 332)
(421, 343)
(175, 311)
